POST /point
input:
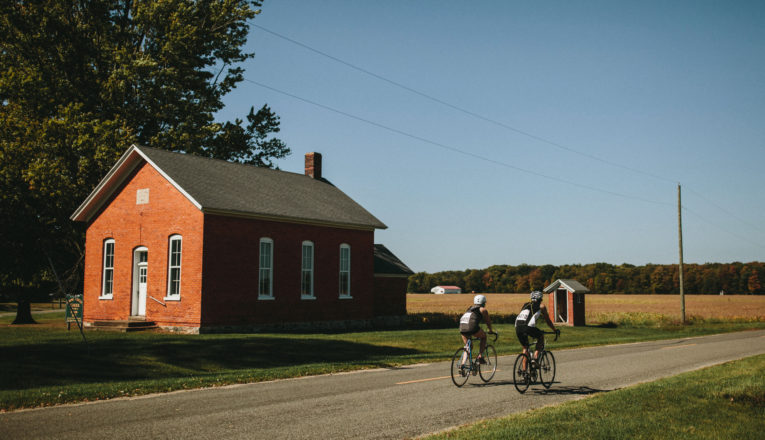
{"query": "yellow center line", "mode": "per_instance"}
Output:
(676, 346)
(422, 380)
(425, 380)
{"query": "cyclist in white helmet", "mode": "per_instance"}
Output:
(526, 323)
(469, 323)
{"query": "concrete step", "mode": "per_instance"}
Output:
(131, 325)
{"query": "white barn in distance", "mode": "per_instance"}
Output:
(440, 290)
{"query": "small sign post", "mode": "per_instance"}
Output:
(73, 311)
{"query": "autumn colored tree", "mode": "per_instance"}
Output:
(80, 81)
(754, 283)
(473, 281)
(606, 278)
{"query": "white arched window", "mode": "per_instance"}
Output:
(306, 276)
(345, 271)
(266, 269)
(107, 275)
(174, 251)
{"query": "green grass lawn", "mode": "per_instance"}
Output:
(721, 402)
(44, 364)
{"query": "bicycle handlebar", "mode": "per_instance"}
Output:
(556, 333)
(496, 335)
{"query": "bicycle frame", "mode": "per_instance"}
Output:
(526, 371)
(465, 365)
(536, 342)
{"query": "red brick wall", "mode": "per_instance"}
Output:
(551, 306)
(131, 226)
(390, 296)
(231, 262)
(575, 310)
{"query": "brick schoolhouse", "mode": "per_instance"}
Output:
(200, 245)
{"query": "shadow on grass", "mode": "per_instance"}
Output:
(122, 358)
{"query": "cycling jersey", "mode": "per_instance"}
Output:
(528, 316)
(470, 320)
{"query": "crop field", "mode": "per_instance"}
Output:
(603, 308)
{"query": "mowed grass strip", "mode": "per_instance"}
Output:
(724, 401)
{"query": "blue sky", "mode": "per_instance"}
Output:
(550, 132)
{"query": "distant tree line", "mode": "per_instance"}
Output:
(709, 278)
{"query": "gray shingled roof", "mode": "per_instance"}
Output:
(221, 187)
(388, 264)
(572, 285)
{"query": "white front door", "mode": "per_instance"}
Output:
(142, 271)
(140, 276)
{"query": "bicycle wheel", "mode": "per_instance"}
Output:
(521, 378)
(488, 369)
(547, 369)
(460, 372)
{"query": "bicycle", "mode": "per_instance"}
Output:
(526, 370)
(463, 364)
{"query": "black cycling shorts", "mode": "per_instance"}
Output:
(470, 334)
(523, 332)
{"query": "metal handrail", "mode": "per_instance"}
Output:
(155, 299)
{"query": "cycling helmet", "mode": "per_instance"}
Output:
(536, 295)
(479, 300)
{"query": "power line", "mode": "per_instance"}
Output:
(454, 149)
(460, 109)
(740, 237)
(754, 227)
(483, 118)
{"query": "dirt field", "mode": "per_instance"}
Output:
(748, 307)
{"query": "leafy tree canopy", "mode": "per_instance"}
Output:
(80, 81)
(709, 278)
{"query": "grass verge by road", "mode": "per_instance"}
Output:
(43, 364)
(724, 401)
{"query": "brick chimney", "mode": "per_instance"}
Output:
(313, 165)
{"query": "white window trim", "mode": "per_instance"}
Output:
(170, 240)
(102, 295)
(302, 269)
(269, 297)
(344, 295)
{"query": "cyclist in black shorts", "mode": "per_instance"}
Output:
(526, 323)
(469, 323)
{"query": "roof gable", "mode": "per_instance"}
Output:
(220, 187)
(570, 285)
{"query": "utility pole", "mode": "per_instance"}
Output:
(680, 235)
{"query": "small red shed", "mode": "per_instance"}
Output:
(567, 302)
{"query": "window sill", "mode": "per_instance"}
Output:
(265, 298)
(346, 297)
(308, 297)
(172, 298)
(106, 297)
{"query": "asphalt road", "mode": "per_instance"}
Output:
(378, 404)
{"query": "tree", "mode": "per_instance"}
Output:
(473, 281)
(661, 279)
(80, 81)
(753, 284)
(535, 280)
